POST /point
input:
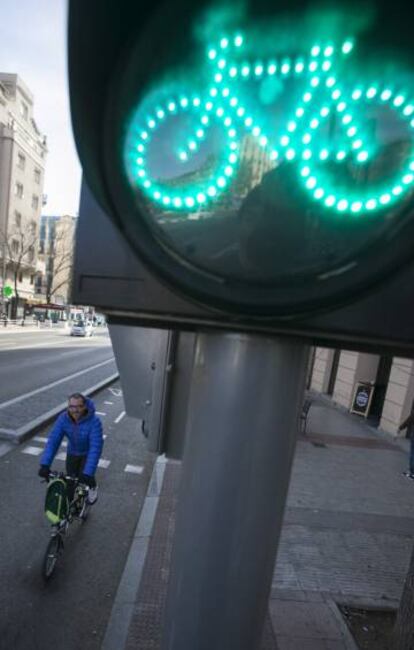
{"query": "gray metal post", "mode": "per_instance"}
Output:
(241, 431)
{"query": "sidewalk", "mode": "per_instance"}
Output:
(346, 538)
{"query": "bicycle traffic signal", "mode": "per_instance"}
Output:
(258, 160)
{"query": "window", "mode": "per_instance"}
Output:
(30, 254)
(17, 219)
(35, 202)
(18, 190)
(33, 227)
(24, 110)
(21, 161)
(37, 175)
(15, 246)
(20, 277)
(32, 279)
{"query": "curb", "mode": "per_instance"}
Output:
(18, 436)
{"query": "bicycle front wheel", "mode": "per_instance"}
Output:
(51, 556)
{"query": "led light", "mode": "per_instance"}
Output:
(258, 70)
(209, 106)
(342, 205)
(144, 135)
(205, 120)
(324, 154)
(314, 123)
(313, 66)
(212, 191)
(192, 145)
(315, 81)
(151, 124)
(256, 131)
(347, 119)
(357, 144)
(166, 200)
(222, 64)
(221, 182)
(330, 201)
(336, 94)
(160, 114)
(224, 43)
(284, 140)
(233, 71)
(228, 170)
(233, 146)
(245, 71)
(407, 179)
(316, 50)
(371, 204)
(227, 121)
(201, 197)
(331, 81)
(347, 47)
(157, 195)
(341, 107)
(189, 202)
(325, 111)
(141, 148)
(177, 202)
(263, 141)
(412, 124)
(307, 154)
(300, 112)
(412, 166)
(248, 121)
(319, 193)
(326, 66)
(329, 50)
(290, 154)
(218, 77)
(232, 158)
(307, 97)
(399, 100)
(141, 173)
(299, 67)
(220, 112)
(272, 67)
(371, 92)
(351, 131)
(311, 183)
(232, 133)
(274, 155)
(291, 126)
(356, 206)
(238, 41)
(240, 111)
(408, 110)
(357, 94)
(212, 54)
(386, 95)
(285, 69)
(306, 138)
(385, 198)
(196, 101)
(213, 92)
(140, 161)
(340, 155)
(183, 156)
(305, 171)
(397, 190)
(362, 156)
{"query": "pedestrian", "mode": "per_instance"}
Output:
(408, 424)
(83, 430)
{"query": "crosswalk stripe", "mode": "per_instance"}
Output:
(33, 451)
(134, 469)
(104, 463)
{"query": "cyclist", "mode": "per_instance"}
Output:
(83, 430)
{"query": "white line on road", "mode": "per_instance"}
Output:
(33, 451)
(134, 469)
(40, 439)
(54, 383)
(117, 392)
(108, 403)
(119, 418)
(61, 456)
(99, 413)
(104, 463)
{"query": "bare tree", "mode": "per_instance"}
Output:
(20, 247)
(59, 262)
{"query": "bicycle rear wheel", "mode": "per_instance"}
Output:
(51, 556)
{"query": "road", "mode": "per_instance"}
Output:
(72, 610)
(39, 369)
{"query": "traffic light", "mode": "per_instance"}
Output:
(247, 167)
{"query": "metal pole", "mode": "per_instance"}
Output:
(241, 431)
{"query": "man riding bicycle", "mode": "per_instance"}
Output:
(83, 430)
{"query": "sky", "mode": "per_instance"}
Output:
(33, 45)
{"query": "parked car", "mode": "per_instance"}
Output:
(82, 328)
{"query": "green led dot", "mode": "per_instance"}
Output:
(371, 204)
(227, 121)
(221, 182)
(232, 133)
(407, 179)
(144, 135)
(311, 183)
(357, 144)
(224, 43)
(256, 131)
(325, 111)
(189, 201)
(305, 171)
(141, 173)
(212, 54)
(316, 50)
(291, 126)
(347, 119)
(319, 193)
(341, 107)
(357, 94)
(307, 97)
(218, 77)
(192, 145)
(177, 202)
(326, 66)
(408, 110)
(284, 140)
(263, 141)
(171, 106)
(233, 158)
(147, 184)
(314, 123)
(342, 205)
(258, 71)
(329, 50)
(412, 124)
(331, 81)
(307, 154)
(240, 111)
(399, 100)
(160, 114)
(205, 120)
(140, 161)
(330, 201)
(272, 68)
(315, 81)
(248, 121)
(245, 71)
(336, 94)
(300, 112)
(290, 154)
(201, 197)
(233, 146)
(386, 95)
(228, 170)
(397, 190)
(412, 166)
(184, 102)
(356, 206)
(385, 198)
(371, 92)
(340, 155)
(141, 148)
(222, 64)
(157, 195)
(151, 124)
(166, 200)
(220, 111)
(347, 47)
(238, 40)
(362, 156)
(313, 66)
(183, 156)
(196, 101)
(324, 154)
(351, 131)
(285, 69)
(212, 191)
(299, 67)
(234, 101)
(213, 92)
(274, 155)
(233, 71)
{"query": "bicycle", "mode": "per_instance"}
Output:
(78, 509)
(298, 142)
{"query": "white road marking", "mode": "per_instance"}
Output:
(119, 418)
(100, 413)
(40, 439)
(117, 392)
(34, 451)
(61, 456)
(104, 463)
(134, 469)
(54, 383)
(108, 403)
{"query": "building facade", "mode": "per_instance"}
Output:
(56, 250)
(23, 152)
(338, 373)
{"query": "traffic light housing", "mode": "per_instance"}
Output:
(249, 168)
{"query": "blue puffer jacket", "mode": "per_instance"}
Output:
(84, 438)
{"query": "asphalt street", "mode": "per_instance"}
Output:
(72, 610)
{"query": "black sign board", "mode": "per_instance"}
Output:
(362, 398)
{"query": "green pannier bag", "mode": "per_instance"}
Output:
(56, 501)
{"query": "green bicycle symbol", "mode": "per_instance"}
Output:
(299, 142)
